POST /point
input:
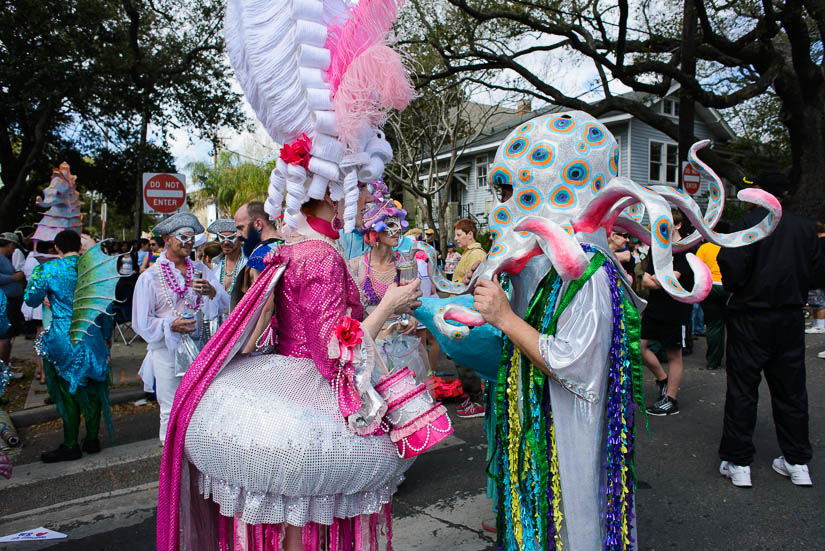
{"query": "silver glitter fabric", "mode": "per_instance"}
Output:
(271, 446)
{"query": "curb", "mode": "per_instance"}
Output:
(43, 414)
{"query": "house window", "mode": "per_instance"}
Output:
(482, 164)
(664, 162)
(670, 107)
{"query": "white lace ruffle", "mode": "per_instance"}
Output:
(260, 507)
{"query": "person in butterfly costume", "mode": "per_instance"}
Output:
(78, 290)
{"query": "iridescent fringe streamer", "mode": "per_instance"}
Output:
(530, 502)
(361, 533)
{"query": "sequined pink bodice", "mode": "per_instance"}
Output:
(316, 291)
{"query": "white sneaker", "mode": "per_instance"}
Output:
(821, 355)
(798, 474)
(739, 475)
(814, 329)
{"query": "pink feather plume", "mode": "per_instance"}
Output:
(368, 25)
(375, 82)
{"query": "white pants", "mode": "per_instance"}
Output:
(166, 384)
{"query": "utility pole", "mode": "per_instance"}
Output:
(687, 112)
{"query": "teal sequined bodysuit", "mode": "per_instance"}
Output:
(56, 280)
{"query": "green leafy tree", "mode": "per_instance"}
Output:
(107, 74)
(230, 182)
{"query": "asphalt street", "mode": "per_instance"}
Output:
(107, 502)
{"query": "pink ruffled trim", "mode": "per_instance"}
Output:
(418, 423)
(392, 379)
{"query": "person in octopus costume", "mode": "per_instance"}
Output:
(555, 320)
(167, 299)
(288, 449)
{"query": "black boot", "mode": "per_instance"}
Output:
(62, 453)
(91, 446)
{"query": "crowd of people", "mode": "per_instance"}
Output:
(292, 375)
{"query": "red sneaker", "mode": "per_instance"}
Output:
(469, 409)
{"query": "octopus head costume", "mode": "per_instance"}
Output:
(563, 443)
(314, 435)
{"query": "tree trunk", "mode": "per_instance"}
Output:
(688, 65)
(444, 235)
(806, 127)
(141, 159)
(803, 114)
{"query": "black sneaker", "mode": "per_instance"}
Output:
(665, 406)
(62, 453)
(91, 446)
(662, 389)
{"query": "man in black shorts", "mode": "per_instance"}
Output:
(665, 320)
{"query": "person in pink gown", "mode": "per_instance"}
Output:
(287, 447)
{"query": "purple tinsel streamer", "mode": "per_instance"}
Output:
(548, 426)
(617, 406)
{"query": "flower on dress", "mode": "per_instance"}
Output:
(349, 333)
(297, 152)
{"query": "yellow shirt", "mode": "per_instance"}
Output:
(707, 253)
(474, 253)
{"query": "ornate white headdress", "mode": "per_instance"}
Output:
(321, 78)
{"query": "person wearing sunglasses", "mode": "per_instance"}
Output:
(377, 269)
(155, 248)
(229, 263)
(167, 298)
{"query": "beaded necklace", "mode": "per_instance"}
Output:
(370, 285)
(169, 285)
(235, 271)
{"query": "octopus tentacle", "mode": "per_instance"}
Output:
(466, 317)
(716, 198)
(598, 212)
(736, 239)
(437, 277)
(561, 248)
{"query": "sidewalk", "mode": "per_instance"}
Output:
(123, 365)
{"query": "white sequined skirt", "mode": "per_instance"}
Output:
(271, 446)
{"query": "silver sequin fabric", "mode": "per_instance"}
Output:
(271, 446)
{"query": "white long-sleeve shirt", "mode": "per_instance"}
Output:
(18, 259)
(152, 316)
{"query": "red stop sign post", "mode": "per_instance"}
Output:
(163, 193)
(691, 179)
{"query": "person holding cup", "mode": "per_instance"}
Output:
(381, 266)
(167, 296)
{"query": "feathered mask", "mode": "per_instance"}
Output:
(321, 78)
(382, 211)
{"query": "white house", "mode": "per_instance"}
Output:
(647, 156)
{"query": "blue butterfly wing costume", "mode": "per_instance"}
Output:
(81, 290)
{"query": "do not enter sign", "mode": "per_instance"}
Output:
(163, 192)
(691, 179)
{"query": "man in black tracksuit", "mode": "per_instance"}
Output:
(769, 282)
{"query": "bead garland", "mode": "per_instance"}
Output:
(235, 271)
(369, 284)
(166, 287)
